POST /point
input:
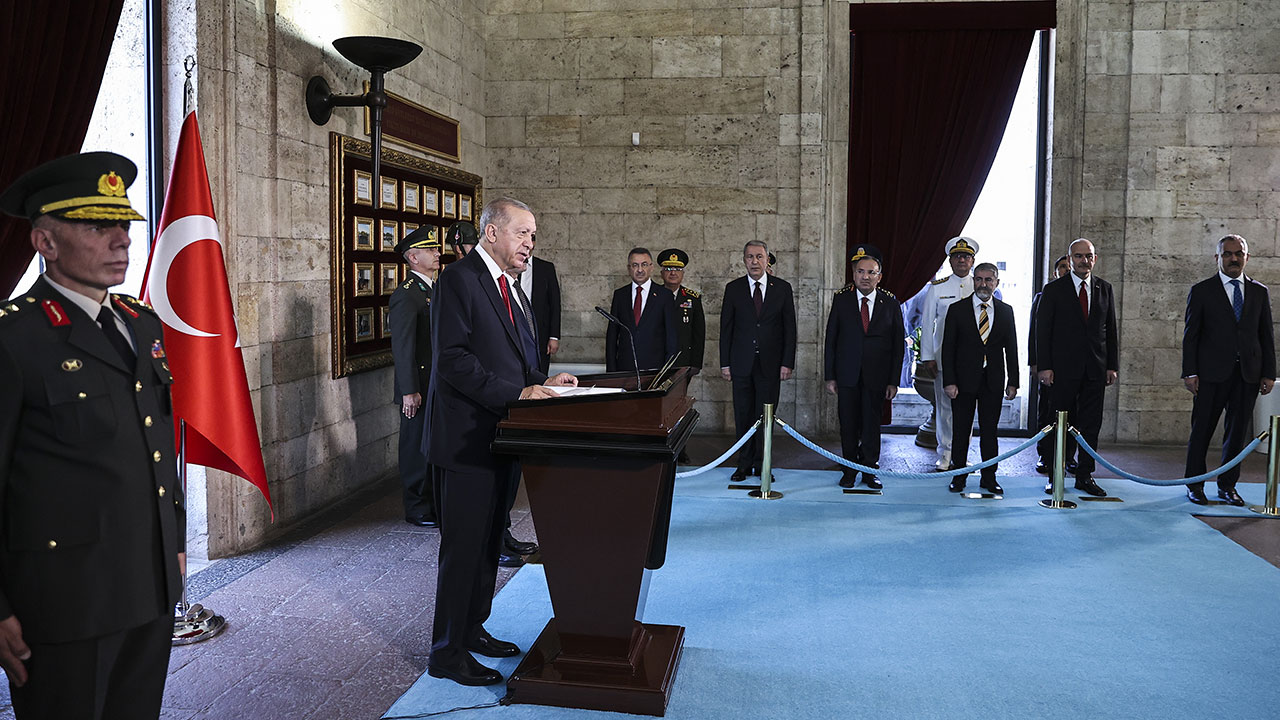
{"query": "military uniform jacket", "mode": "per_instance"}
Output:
(691, 327)
(933, 319)
(411, 336)
(874, 356)
(91, 512)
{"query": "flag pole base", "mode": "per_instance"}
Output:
(195, 623)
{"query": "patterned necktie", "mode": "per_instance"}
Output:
(1237, 300)
(866, 316)
(1084, 302)
(107, 320)
(757, 297)
(984, 323)
(638, 306)
(524, 308)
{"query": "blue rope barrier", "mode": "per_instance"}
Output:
(905, 475)
(1166, 483)
(742, 440)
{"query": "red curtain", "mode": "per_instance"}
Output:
(931, 89)
(56, 52)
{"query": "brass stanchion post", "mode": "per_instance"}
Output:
(1059, 465)
(1273, 470)
(766, 467)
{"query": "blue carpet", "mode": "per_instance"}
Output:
(922, 604)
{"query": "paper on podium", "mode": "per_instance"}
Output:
(572, 391)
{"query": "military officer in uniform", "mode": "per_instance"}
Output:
(691, 324)
(462, 237)
(90, 505)
(956, 286)
(410, 310)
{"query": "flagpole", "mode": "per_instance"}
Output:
(191, 623)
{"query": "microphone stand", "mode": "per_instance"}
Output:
(631, 339)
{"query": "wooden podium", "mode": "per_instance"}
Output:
(599, 471)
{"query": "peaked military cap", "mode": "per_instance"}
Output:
(85, 186)
(962, 245)
(462, 233)
(865, 251)
(673, 258)
(423, 237)
(773, 259)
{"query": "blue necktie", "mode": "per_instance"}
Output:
(1237, 300)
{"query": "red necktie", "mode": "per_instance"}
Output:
(866, 316)
(639, 304)
(506, 297)
(1084, 302)
(758, 298)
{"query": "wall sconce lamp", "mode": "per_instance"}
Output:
(378, 55)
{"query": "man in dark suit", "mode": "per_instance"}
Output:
(1077, 351)
(1228, 357)
(979, 363)
(757, 347)
(1044, 404)
(648, 310)
(410, 309)
(691, 323)
(483, 357)
(90, 502)
(863, 356)
(539, 277)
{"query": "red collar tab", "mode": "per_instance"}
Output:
(57, 316)
(121, 304)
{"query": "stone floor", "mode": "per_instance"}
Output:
(334, 620)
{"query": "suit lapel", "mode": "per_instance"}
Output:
(490, 289)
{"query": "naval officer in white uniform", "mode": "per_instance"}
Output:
(961, 252)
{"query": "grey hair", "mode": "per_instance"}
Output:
(495, 212)
(755, 243)
(988, 266)
(1243, 243)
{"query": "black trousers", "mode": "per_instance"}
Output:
(417, 478)
(987, 403)
(1045, 414)
(113, 677)
(1236, 398)
(1082, 399)
(473, 516)
(858, 407)
(750, 394)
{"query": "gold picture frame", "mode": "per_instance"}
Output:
(449, 204)
(430, 200)
(362, 187)
(389, 232)
(464, 207)
(362, 233)
(412, 201)
(362, 324)
(362, 279)
(389, 275)
(389, 195)
(384, 315)
(407, 228)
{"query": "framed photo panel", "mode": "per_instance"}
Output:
(390, 273)
(412, 201)
(363, 279)
(407, 228)
(448, 204)
(430, 201)
(363, 233)
(364, 324)
(384, 315)
(464, 207)
(363, 187)
(390, 234)
(390, 195)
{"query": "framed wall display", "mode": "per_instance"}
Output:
(384, 316)
(411, 202)
(363, 185)
(363, 234)
(449, 204)
(464, 207)
(364, 270)
(430, 201)
(390, 273)
(363, 324)
(390, 195)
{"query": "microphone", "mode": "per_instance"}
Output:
(630, 337)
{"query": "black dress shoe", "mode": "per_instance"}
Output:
(519, 547)
(848, 480)
(738, 476)
(1231, 497)
(957, 484)
(1196, 496)
(490, 646)
(871, 482)
(1048, 488)
(509, 560)
(465, 671)
(1088, 486)
(427, 521)
(1042, 467)
(1071, 467)
(991, 486)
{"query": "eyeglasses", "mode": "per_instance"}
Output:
(866, 273)
(638, 266)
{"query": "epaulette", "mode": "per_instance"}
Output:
(408, 285)
(11, 308)
(691, 293)
(887, 293)
(939, 281)
(846, 288)
(134, 302)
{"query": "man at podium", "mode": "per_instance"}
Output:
(484, 356)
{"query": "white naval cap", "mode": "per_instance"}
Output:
(962, 244)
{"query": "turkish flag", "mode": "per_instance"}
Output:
(186, 283)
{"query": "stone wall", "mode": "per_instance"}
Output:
(322, 438)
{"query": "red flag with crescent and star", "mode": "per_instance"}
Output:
(186, 284)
